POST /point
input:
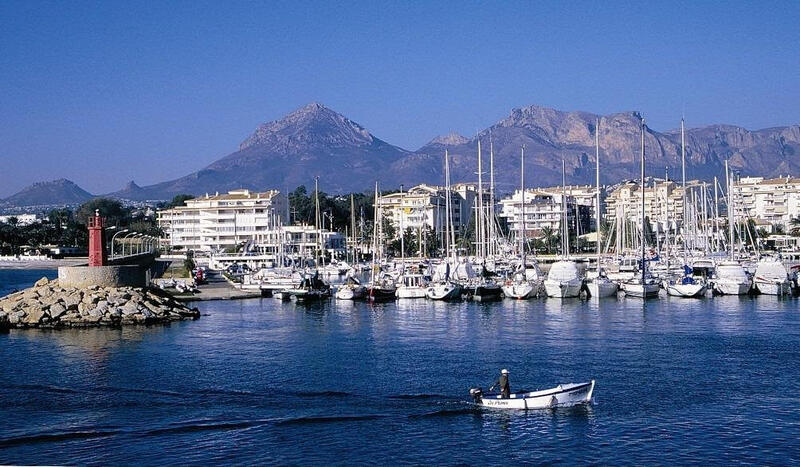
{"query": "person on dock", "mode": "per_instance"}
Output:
(502, 383)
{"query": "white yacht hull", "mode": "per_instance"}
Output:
(602, 289)
(351, 293)
(446, 291)
(522, 290)
(411, 292)
(641, 291)
(686, 290)
(563, 395)
(774, 287)
(563, 289)
(732, 287)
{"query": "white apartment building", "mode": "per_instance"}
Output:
(775, 200)
(663, 201)
(425, 205)
(212, 223)
(544, 209)
(301, 240)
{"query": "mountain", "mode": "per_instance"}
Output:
(551, 136)
(283, 154)
(130, 191)
(56, 192)
(316, 141)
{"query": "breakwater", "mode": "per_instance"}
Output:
(50, 305)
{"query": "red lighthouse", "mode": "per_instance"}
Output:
(97, 240)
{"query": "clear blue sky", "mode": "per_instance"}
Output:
(106, 92)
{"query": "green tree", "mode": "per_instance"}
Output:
(178, 200)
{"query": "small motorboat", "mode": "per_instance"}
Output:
(312, 288)
(563, 280)
(483, 290)
(771, 278)
(282, 295)
(412, 286)
(732, 279)
(444, 291)
(352, 289)
(563, 395)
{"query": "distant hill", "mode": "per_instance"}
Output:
(317, 141)
(56, 192)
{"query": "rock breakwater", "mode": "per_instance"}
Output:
(49, 305)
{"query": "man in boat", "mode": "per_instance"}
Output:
(502, 383)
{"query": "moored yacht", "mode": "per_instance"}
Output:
(771, 278)
(563, 280)
(731, 279)
(412, 285)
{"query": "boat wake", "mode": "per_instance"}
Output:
(79, 433)
(329, 419)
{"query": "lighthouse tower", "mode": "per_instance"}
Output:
(97, 240)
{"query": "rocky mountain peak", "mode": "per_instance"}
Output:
(54, 192)
(310, 126)
(131, 186)
(450, 139)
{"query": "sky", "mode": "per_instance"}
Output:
(106, 92)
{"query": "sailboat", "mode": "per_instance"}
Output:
(311, 286)
(644, 285)
(599, 286)
(730, 276)
(381, 287)
(527, 281)
(443, 287)
(481, 288)
(687, 286)
(563, 279)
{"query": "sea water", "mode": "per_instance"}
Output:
(260, 381)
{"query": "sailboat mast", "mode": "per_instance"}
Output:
(375, 226)
(522, 206)
(316, 221)
(565, 235)
(490, 219)
(730, 210)
(479, 211)
(643, 206)
(597, 187)
(716, 216)
(353, 227)
(449, 206)
(683, 185)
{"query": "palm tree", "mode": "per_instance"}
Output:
(794, 228)
(549, 236)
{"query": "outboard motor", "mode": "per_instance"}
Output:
(476, 394)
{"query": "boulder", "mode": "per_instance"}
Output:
(57, 310)
(34, 315)
(42, 282)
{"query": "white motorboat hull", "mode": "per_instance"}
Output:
(732, 287)
(563, 395)
(686, 290)
(446, 291)
(351, 293)
(522, 290)
(641, 291)
(411, 292)
(563, 289)
(602, 289)
(774, 287)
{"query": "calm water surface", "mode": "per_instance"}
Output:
(260, 381)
